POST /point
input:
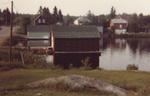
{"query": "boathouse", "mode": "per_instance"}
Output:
(76, 46)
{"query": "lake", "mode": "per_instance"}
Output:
(118, 53)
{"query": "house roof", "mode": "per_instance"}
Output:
(39, 28)
(83, 19)
(119, 20)
(76, 32)
(38, 32)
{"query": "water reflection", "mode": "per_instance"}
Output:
(118, 53)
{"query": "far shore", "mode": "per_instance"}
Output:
(133, 35)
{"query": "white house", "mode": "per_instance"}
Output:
(119, 25)
(82, 20)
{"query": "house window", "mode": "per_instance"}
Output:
(39, 21)
(44, 21)
(120, 26)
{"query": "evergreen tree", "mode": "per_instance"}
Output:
(1, 19)
(133, 23)
(90, 15)
(40, 10)
(0, 12)
(0, 15)
(55, 11)
(47, 15)
(92, 18)
(69, 20)
(25, 21)
(6, 16)
(112, 13)
(60, 16)
(46, 11)
(55, 15)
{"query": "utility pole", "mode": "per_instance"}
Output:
(11, 33)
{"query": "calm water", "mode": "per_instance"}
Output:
(118, 53)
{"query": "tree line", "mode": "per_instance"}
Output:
(137, 22)
(18, 18)
(5, 17)
(51, 17)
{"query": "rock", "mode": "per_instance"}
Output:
(77, 82)
(39, 94)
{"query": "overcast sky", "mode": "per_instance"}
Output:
(80, 7)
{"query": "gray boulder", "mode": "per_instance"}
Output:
(77, 82)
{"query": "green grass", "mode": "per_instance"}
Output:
(53, 92)
(131, 80)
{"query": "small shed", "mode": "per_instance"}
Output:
(38, 36)
(76, 46)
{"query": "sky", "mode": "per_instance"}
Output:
(80, 7)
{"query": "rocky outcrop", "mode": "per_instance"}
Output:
(76, 82)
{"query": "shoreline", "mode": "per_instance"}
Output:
(133, 35)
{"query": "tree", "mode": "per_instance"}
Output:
(94, 20)
(1, 18)
(0, 13)
(55, 11)
(90, 15)
(60, 16)
(6, 16)
(40, 10)
(55, 15)
(69, 20)
(101, 19)
(25, 21)
(112, 13)
(45, 13)
(133, 23)
(141, 21)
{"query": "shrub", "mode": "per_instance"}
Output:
(36, 61)
(30, 60)
(15, 40)
(132, 67)
(86, 62)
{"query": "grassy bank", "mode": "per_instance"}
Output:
(138, 82)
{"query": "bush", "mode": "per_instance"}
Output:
(31, 60)
(86, 62)
(132, 67)
(4, 54)
(35, 61)
(15, 40)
